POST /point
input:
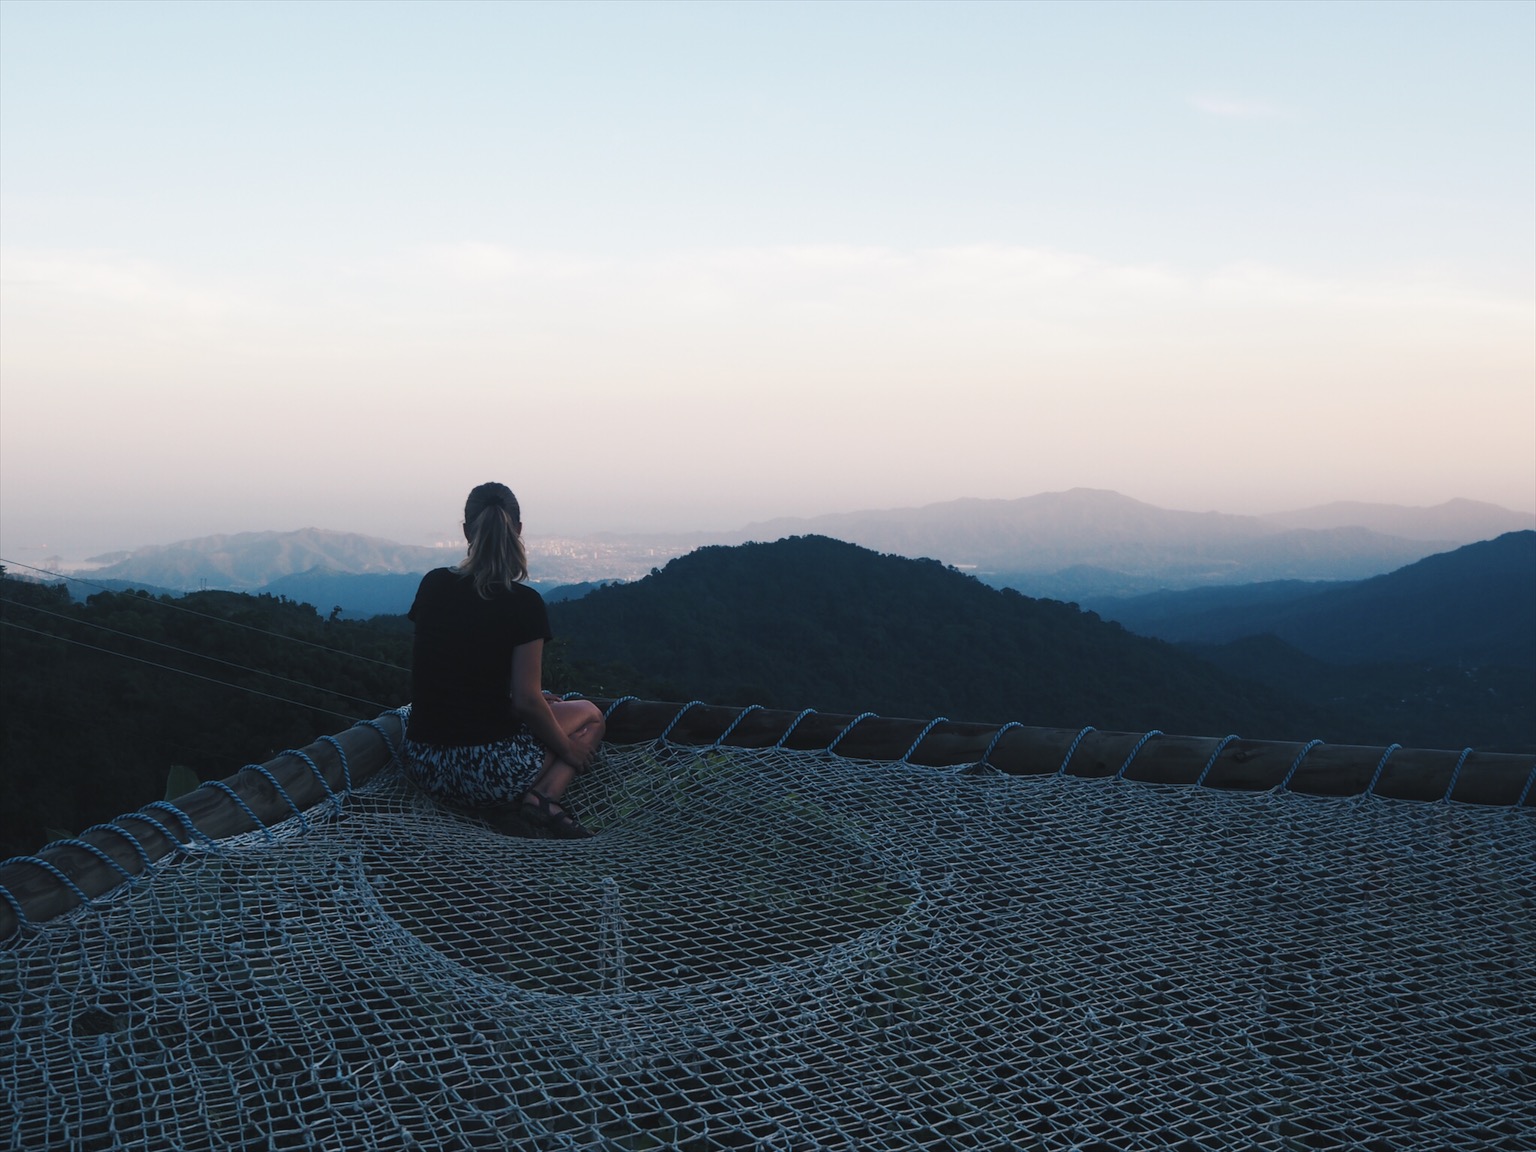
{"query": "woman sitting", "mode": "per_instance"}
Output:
(483, 734)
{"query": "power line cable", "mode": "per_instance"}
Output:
(180, 671)
(203, 615)
(197, 655)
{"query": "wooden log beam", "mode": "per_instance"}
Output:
(161, 829)
(1492, 778)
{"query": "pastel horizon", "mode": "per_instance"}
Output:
(671, 268)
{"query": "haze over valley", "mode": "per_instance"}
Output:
(1083, 544)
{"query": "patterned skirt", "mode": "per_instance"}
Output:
(476, 775)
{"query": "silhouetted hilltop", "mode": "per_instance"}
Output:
(818, 621)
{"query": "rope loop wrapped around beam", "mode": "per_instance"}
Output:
(852, 724)
(1067, 759)
(1525, 792)
(986, 756)
(266, 773)
(740, 716)
(1285, 784)
(681, 712)
(346, 771)
(1381, 767)
(127, 838)
(793, 724)
(1120, 775)
(906, 757)
(257, 821)
(195, 835)
(1211, 763)
(614, 707)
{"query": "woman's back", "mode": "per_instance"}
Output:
(461, 664)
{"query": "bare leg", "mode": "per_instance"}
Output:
(583, 722)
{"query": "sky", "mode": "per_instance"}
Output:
(670, 267)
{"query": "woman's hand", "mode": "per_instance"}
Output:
(571, 729)
(575, 755)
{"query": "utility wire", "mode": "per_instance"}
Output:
(196, 655)
(203, 615)
(182, 672)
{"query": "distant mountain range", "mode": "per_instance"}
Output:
(1086, 542)
(1459, 521)
(1475, 605)
(248, 561)
(1078, 545)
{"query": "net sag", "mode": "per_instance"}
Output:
(768, 949)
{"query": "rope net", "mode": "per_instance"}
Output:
(789, 950)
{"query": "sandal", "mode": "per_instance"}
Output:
(539, 811)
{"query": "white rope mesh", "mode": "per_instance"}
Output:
(778, 950)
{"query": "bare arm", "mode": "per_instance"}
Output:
(532, 706)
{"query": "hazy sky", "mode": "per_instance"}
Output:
(676, 266)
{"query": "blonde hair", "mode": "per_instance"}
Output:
(496, 557)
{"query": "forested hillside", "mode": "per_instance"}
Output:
(811, 621)
(101, 698)
(815, 622)
(1473, 606)
(1409, 702)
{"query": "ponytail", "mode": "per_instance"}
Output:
(496, 554)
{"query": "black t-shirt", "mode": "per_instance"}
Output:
(461, 662)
